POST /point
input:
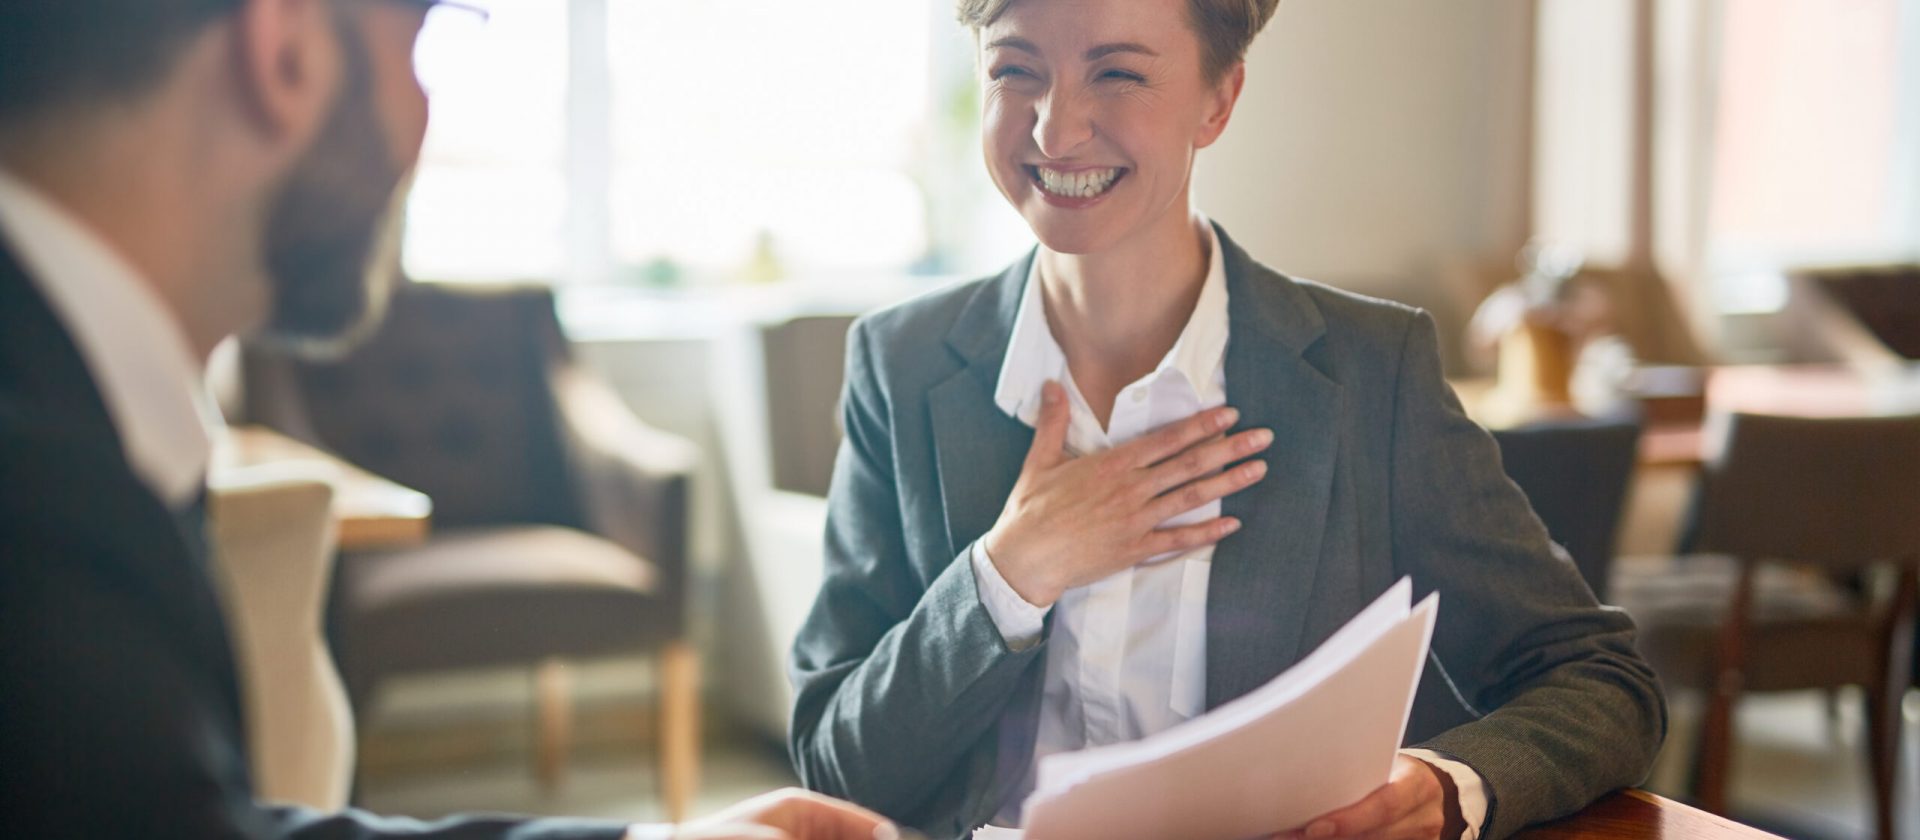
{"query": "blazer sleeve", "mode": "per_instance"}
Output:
(897, 678)
(1570, 710)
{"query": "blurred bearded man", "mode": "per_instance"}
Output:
(173, 172)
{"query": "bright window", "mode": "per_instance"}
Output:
(679, 140)
(1816, 141)
(743, 122)
(489, 200)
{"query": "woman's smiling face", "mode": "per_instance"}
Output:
(1092, 111)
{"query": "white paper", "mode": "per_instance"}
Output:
(1316, 738)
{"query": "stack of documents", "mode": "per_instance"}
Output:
(1317, 738)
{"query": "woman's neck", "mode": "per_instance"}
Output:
(1117, 313)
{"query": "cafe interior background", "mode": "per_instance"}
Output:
(640, 228)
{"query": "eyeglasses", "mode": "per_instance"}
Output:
(452, 39)
(473, 10)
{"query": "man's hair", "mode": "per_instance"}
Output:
(1225, 27)
(56, 54)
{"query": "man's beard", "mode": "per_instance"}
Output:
(332, 248)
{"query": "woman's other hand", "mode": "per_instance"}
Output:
(1412, 805)
(791, 814)
(1073, 521)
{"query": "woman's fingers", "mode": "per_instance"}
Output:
(834, 819)
(1186, 537)
(1410, 800)
(1205, 459)
(1050, 430)
(732, 831)
(1178, 437)
(1197, 494)
(792, 814)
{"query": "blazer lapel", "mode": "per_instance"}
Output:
(977, 447)
(1262, 577)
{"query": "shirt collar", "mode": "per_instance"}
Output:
(1033, 356)
(137, 353)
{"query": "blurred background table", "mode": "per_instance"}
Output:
(1674, 411)
(369, 511)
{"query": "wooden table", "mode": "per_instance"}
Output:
(1675, 442)
(371, 512)
(1628, 814)
(1792, 390)
(1636, 813)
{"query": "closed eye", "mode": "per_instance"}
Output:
(1122, 76)
(1008, 71)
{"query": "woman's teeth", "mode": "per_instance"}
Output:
(1086, 183)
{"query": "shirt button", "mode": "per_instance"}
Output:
(1139, 395)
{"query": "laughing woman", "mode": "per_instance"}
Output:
(1139, 474)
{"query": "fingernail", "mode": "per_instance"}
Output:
(1226, 417)
(1229, 526)
(1254, 469)
(1261, 438)
(1050, 393)
(886, 831)
(1320, 829)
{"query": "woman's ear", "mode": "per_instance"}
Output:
(286, 67)
(1220, 102)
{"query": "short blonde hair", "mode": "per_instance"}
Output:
(1225, 27)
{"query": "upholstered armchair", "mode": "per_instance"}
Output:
(560, 519)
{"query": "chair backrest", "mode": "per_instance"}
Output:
(1885, 299)
(452, 396)
(805, 365)
(1834, 492)
(1575, 473)
(272, 536)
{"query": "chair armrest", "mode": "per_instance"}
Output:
(633, 480)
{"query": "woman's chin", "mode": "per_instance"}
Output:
(1079, 236)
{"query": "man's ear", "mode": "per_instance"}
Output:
(286, 62)
(1226, 93)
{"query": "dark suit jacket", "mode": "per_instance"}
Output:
(910, 702)
(119, 711)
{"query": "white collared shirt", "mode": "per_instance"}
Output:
(1127, 654)
(137, 352)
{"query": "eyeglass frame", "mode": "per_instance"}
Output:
(459, 5)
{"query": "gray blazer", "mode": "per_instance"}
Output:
(909, 702)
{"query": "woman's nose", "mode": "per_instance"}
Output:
(1061, 125)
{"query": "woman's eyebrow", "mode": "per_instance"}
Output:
(1013, 42)
(1093, 54)
(1105, 50)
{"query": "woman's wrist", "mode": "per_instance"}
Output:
(1027, 583)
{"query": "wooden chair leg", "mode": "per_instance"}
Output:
(1715, 762)
(1712, 765)
(553, 724)
(679, 728)
(1883, 752)
(1885, 698)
